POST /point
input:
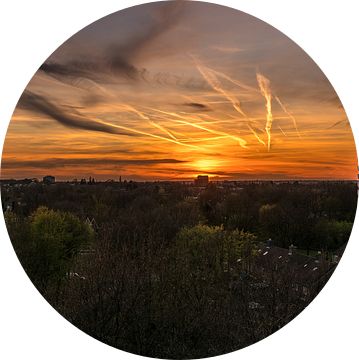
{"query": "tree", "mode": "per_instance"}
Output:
(213, 251)
(50, 242)
(274, 223)
(242, 211)
(338, 233)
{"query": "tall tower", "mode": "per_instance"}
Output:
(202, 180)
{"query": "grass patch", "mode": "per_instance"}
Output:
(313, 253)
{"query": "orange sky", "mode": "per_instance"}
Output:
(173, 90)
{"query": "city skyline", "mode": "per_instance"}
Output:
(161, 91)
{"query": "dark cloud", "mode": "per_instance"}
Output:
(231, 175)
(119, 59)
(53, 163)
(345, 121)
(314, 162)
(198, 107)
(85, 74)
(41, 105)
(191, 171)
(256, 156)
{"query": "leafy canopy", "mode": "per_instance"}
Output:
(212, 248)
(55, 240)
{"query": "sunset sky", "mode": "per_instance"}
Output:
(171, 90)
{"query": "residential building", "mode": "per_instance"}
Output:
(306, 275)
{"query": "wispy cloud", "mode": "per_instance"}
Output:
(229, 49)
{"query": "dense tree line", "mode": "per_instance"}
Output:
(163, 269)
(318, 216)
(310, 216)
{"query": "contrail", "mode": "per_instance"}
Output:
(242, 142)
(187, 138)
(223, 134)
(211, 78)
(151, 135)
(208, 139)
(282, 130)
(158, 126)
(163, 129)
(249, 124)
(253, 89)
(236, 82)
(264, 86)
(287, 112)
(175, 140)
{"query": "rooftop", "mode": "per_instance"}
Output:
(341, 250)
(304, 269)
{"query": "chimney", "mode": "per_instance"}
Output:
(319, 257)
(292, 250)
(270, 243)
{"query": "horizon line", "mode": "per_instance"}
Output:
(177, 180)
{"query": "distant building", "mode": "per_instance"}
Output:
(202, 180)
(48, 179)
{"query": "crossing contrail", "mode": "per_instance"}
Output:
(282, 130)
(264, 86)
(287, 112)
(216, 132)
(174, 139)
(210, 76)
